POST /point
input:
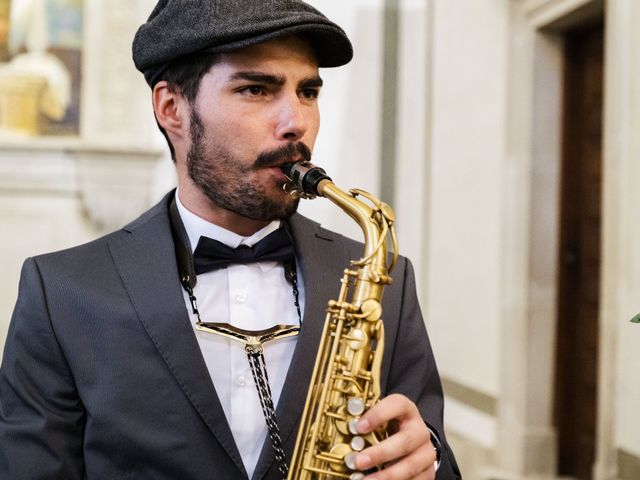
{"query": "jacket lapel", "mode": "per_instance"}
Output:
(145, 259)
(320, 285)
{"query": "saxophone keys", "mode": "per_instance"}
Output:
(356, 476)
(357, 338)
(358, 443)
(342, 451)
(350, 460)
(353, 426)
(355, 406)
(371, 310)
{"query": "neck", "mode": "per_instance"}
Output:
(199, 204)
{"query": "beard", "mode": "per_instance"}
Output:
(227, 181)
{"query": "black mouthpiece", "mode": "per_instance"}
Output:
(305, 176)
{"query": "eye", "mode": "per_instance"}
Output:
(253, 90)
(310, 93)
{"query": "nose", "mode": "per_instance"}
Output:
(292, 122)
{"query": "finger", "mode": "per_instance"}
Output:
(393, 407)
(418, 465)
(413, 436)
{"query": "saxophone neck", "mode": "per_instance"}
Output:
(375, 218)
(374, 226)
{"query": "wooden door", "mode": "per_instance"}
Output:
(579, 271)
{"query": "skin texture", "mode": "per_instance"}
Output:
(257, 108)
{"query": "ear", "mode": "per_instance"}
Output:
(171, 109)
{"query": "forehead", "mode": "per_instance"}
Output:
(281, 53)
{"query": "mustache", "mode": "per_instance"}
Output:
(284, 154)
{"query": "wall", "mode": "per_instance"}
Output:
(622, 268)
(467, 150)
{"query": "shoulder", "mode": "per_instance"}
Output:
(93, 256)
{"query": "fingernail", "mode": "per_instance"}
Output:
(363, 425)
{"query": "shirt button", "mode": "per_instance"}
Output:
(241, 297)
(240, 380)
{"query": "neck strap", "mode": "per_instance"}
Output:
(184, 257)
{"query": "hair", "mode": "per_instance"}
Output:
(183, 77)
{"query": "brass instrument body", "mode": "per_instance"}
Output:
(346, 378)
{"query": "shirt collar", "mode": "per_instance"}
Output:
(197, 227)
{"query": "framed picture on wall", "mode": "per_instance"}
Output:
(40, 67)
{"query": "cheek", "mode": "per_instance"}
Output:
(243, 129)
(312, 131)
(231, 134)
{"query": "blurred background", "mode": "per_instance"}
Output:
(505, 133)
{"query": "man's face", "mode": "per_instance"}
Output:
(256, 109)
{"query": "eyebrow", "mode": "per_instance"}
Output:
(275, 80)
(311, 82)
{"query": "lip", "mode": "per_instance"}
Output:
(279, 166)
(277, 172)
(294, 159)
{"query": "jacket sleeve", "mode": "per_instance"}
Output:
(41, 416)
(413, 371)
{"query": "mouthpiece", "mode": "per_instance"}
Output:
(305, 176)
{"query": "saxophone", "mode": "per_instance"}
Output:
(346, 378)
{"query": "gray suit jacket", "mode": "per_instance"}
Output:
(102, 377)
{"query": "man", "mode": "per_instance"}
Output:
(104, 375)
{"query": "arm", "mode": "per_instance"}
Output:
(417, 400)
(41, 416)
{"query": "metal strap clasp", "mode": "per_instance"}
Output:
(252, 339)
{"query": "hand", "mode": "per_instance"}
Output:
(408, 451)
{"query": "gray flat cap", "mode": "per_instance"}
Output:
(177, 28)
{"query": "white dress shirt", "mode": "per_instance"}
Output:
(251, 297)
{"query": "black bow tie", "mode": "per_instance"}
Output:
(212, 255)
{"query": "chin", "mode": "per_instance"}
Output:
(287, 208)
